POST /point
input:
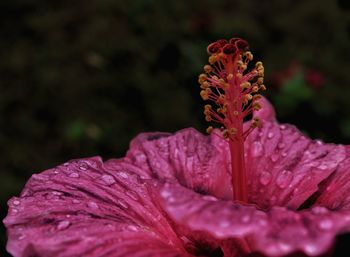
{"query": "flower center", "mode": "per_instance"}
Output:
(234, 92)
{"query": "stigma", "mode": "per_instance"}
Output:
(231, 87)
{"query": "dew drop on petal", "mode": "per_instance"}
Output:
(92, 205)
(323, 167)
(63, 224)
(284, 178)
(270, 135)
(310, 249)
(16, 202)
(274, 157)
(257, 149)
(325, 224)
(319, 142)
(74, 175)
(132, 228)
(21, 237)
(123, 204)
(76, 201)
(319, 210)
(284, 154)
(245, 218)
(83, 166)
(224, 224)
(265, 178)
(282, 127)
(108, 179)
(123, 174)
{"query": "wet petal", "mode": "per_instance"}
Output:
(277, 232)
(194, 160)
(88, 208)
(284, 167)
(334, 193)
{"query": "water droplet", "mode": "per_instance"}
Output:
(83, 166)
(132, 228)
(282, 127)
(224, 224)
(274, 157)
(284, 154)
(132, 195)
(319, 142)
(123, 204)
(14, 211)
(265, 178)
(323, 167)
(245, 218)
(123, 174)
(325, 224)
(74, 175)
(108, 179)
(257, 149)
(75, 201)
(311, 249)
(319, 210)
(63, 224)
(92, 205)
(284, 179)
(21, 237)
(209, 198)
(16, 202)
(270, 135)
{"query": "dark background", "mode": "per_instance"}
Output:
(82, 78)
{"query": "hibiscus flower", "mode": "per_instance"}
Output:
(175, 195)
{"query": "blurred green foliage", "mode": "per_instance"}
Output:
(81, 78)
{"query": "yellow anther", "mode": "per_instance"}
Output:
(239, 63)
(256, 122)
(249, 56)
(215, 77)
(207, 68)
(204, 94)
(245, 85)
(258, 64)
(229, 76)
(260, 80)
(243, 67)
(256, 106)
(248, 97)
(239, 75)
(213, 59)
(256, 97)
(222, 82)
(205, 85)
(208, 118)
(262, 87)
(202, 78)
(255, 89)
(210, 129)
(235, 113)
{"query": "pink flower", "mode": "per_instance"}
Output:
(170, 196)
(174, 194)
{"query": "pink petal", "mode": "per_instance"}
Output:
(284, 167)
(246, 229)
(196, 161)
(334, 193)
(88, 208)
